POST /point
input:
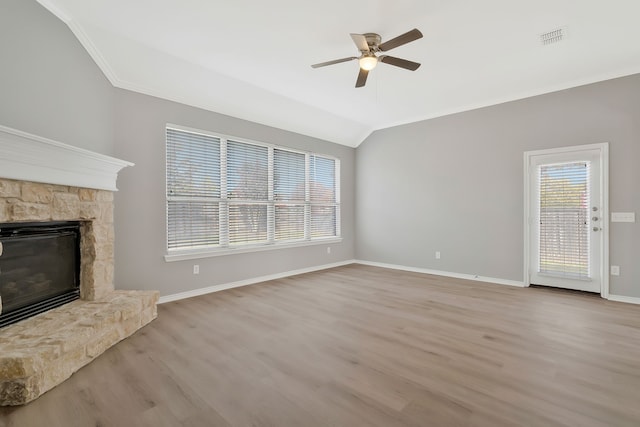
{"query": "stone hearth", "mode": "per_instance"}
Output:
(41, 352)
(67, 184)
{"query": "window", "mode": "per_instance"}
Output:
(247, 193)
(224, 193)
(322, 194)
(193, 190)
(564, 219)
(289, 191)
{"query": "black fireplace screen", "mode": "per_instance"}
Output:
(39, 268)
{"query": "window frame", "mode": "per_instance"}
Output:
(223, 247)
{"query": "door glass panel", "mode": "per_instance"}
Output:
(564, 220)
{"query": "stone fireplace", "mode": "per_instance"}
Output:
(43, 180)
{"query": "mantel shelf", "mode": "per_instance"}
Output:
(27, 157)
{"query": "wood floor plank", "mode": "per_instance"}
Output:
(363, 346)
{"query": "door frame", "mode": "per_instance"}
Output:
(603, 148)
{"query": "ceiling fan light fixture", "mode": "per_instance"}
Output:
(368, 62)
(369, 44)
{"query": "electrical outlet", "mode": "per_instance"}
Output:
(615, 270)
(196, 269)
(437, 254)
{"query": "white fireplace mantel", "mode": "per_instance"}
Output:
(28, 157)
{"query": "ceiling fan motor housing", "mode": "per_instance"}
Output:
(373, 40)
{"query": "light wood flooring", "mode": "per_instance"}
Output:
(363, 346)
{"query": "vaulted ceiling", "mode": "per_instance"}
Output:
(251, 58)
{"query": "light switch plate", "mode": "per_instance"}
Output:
(623, 217)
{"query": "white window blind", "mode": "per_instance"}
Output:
(193, 189)
(224, 193)
(323, 196)
(289, 194)
(247, 192)
(564, 220)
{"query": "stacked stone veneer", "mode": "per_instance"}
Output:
(38, 353)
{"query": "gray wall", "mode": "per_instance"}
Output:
(49, 85)
(455, 184)
(140, 203)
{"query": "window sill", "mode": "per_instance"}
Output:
(183, 255)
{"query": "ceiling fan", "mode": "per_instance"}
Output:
(369, 45)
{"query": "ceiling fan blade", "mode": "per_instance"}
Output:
(405, 38)
(399, 62)
(361, 42)
(362, 77)
(335, 61)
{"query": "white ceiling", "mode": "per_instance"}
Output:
(251, 58)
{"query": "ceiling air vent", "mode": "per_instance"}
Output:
(553, 36)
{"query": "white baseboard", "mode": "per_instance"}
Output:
(444, 273)
(622, 298)
(254, 280)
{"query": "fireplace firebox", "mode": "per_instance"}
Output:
(39, 268)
